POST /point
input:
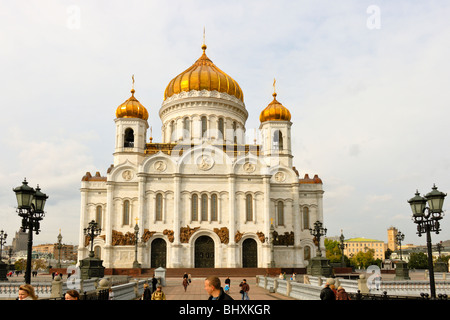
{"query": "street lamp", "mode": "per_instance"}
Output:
(30, 207)
(318, 232)
(3, 266)
(92, 231)
(136, 240)
(342, 246)
(319, 266)
(427, 220)
(401, 267)
(3, 236)
(59, 247)
(400, 237)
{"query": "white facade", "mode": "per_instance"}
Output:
(203, 197)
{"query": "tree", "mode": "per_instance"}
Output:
(418, 260)
(363, 259)
(333, 253)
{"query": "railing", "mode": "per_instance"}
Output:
(357, 289)
(10, 290)
(89, 289)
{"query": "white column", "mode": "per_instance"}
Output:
(232, 222)
(141, 209)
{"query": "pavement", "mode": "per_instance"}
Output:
(174, 290)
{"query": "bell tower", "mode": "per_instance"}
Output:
(275, 130)
(131, 130)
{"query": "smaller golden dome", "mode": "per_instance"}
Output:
(275, 111)
(132, 108)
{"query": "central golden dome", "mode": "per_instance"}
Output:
(203, 75)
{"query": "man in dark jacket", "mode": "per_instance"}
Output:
(327, 294)
(214, 289)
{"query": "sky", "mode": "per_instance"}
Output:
(367, 84)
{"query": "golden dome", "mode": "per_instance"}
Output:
(203, 75)
(275, 111)
(132, 108)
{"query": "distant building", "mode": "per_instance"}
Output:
(392, 238)
(355, 245)
(20, 240)
(68, 252)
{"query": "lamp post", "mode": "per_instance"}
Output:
(342, 246)
(92, 231)
(3, 236)
(30, 207)
(319, 265)
(400, 237)
(136, 264)
(3, 266)
(318, 232)
(401, 267)
(59, 247)
(440, 265)
(427, 220)
(92, 266)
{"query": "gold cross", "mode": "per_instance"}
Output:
(136, 219)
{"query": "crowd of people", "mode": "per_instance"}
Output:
(212, 286)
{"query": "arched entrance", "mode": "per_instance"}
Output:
(249, 254)
(204, 252)
(158, 253)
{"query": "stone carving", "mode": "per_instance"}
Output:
(238, 236)
(120, 239)
(286, 239)
(261, 237)
(169, 234)
(147, 235)
(186, 233)
(127, 175)
(205, 162)
(223, 234)
(249, 167)
(280, 176)
(160, 166)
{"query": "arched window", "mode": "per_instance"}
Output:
(129, 138)
(126, 212)
(186, 128)
(158, 207)
(305, 218)
(194, 207)
(98, 216)
(214, 207)
(280, 213)
(249, 207)
(234, 132)
(204, 126)
(220, 127)
(204, 207)
(277, 140)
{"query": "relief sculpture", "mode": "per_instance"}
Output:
(169, 234)
(120, 239)
(186, 233)
(223, 234)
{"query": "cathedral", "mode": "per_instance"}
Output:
(203, 197)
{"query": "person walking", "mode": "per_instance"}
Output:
(146, 295)
(154, 283)
(342, 294)
(327, 294)
(26, 292)
(245, 288)
(158, 294)
(72, 295)
(214, 289)
(185, 283)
